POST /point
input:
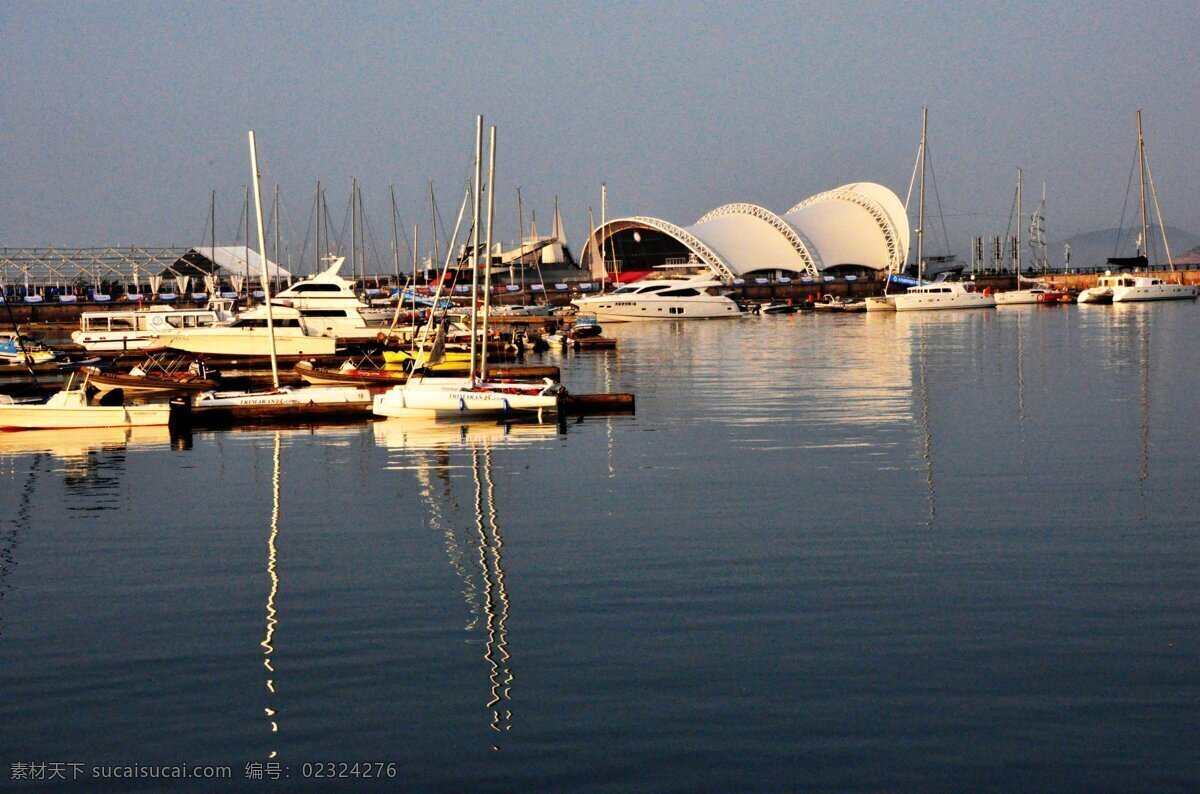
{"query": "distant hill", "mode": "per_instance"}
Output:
(1092, 248)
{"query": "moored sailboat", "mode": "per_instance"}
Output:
(476, 394)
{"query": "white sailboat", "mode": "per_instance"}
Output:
(1039, 291)
(474, 395)
(942, 294)
(1128, 288)
(280, 401)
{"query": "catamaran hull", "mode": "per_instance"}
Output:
(437, 400)
(1153, 292)
(917, 303)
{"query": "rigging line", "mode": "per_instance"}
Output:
(345, 221)
(1137, 159)
(1162, 228)
(938, 200)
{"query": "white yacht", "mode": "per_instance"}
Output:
(942, 295)
(1148, 288)
(661, 299)
(1040, 292)
(939, 294)
(329, 305)
(248, 335)
(135, 329)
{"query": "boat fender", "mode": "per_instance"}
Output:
(462, 404)
(506, 405)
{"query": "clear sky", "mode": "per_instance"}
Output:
(119, 118)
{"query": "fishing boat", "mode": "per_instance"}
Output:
(476, 394)
(71, 408)
(661, 299)
(942, 294)
(109, 331)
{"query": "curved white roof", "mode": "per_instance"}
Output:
(861, 223)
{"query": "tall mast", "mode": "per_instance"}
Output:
(521, 238)
(212, 209)
(413, 286)
(353, 228)
(487, 267)
(433, 219)
(603, 239)
(275, 222)
(317, 224)
(475, 246)
(1142, 174)
(246, 204)
(1020, 217)
(395, 238)
(921, 203)
(262, 246)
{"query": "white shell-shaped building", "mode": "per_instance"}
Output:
(854, 228)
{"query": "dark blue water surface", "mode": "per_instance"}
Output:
(954, 551)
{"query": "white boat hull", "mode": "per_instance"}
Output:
(885, 303)
(69, 409)
(1095, 295)
(235, 342)
(608, 308)
(1153, 292)
(442, 397)
(936, 302)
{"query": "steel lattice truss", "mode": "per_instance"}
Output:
(706, 254)
(778, 223)
(895, 257)
(68, 266)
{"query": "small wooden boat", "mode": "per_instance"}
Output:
(284, 404)
(158, 374)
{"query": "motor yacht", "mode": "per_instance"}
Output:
(661, 299)
(330, 306)
(249, 336)
(135, 329)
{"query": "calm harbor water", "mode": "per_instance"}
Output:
(952, 551)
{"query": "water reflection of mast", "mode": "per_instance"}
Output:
(928, 433)
(495, 603)
(437, 522)
(11, 538)
(272, 620)
(1144, 399)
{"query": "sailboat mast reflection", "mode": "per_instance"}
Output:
(927, 440)
(495, 603)
(272, 572)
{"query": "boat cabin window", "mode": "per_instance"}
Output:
(682, 292)
(315, 288)
(324, 313)
(625, 290)
(288, 322)
(653, 288)
(122, 324)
